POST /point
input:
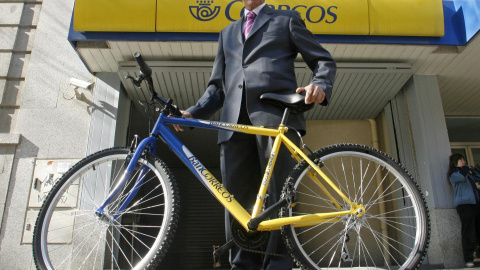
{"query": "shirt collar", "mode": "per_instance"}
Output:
(256, 10)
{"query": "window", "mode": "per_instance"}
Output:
(471, 151)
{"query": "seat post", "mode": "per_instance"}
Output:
(285, 116)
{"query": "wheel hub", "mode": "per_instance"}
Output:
(104, 217)
(354, 221)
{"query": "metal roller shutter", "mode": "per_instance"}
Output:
(201, 226)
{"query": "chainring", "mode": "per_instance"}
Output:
(248, 240)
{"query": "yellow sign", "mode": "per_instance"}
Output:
(406, 17)
(331, 17)
(320, 16)
(115, 15)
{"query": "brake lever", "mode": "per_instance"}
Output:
(176, 112)
(172, 109)
(136, 81)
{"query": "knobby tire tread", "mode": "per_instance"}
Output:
(350, 147)
(159, 164)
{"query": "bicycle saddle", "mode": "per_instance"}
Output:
(295, 102)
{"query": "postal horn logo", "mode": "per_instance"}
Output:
(203, 12)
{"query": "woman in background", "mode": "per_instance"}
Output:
(467, 202)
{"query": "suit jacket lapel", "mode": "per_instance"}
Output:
(238, 30)
(262, 18)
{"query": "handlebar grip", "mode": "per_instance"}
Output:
(144, 68)
(175, 111)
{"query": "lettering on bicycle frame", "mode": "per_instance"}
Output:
(269, 169)
(227, 125)
(214, 184)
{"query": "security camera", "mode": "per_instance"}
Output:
(80, 83)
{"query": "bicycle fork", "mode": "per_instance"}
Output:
(132, 163)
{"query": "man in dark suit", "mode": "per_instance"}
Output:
(256, 55)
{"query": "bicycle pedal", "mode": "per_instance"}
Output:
(219, 250)
(216, 257)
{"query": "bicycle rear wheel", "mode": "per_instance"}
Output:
(69, 235)
(392, 234)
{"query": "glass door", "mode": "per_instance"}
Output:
(476, 157)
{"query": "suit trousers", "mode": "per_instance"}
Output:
(470, 219)
(243, 161)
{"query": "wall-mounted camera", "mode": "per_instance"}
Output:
(80, 84)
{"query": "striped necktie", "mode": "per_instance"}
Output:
(248, 23)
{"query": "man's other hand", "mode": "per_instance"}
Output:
(185, 115)
(314, 94)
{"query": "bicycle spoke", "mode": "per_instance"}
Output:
(78, 238)
(395, 222)
(113, 259)
(59, 236)
(369, 255)
(393, 211)
(326, 253)
(317, 233)
(378, 186)
(390, 224)
(316, 195)
(121, 250)
(335, 176)
(380, 242)
(345, 176)
(385, 196)
(139, 202)
(386, 201)
(133, 233)
(128, 242)
(370, 181)
(353, 179)
(88, 255)
(82, 244)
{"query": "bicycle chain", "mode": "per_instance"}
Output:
(259, 251)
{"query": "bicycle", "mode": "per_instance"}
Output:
(345, 206)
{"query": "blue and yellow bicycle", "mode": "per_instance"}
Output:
(343, 206)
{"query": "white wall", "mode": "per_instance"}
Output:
(51, 123)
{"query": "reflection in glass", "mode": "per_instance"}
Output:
(476, 157)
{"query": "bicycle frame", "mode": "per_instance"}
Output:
(160, 130)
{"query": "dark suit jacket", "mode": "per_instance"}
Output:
(263, 63)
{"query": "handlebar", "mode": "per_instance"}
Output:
(144, 68)
(146, 73)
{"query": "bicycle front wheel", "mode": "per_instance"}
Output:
(394, 231)
(70, 235)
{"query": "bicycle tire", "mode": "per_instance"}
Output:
(392, 234)
(68, 234)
